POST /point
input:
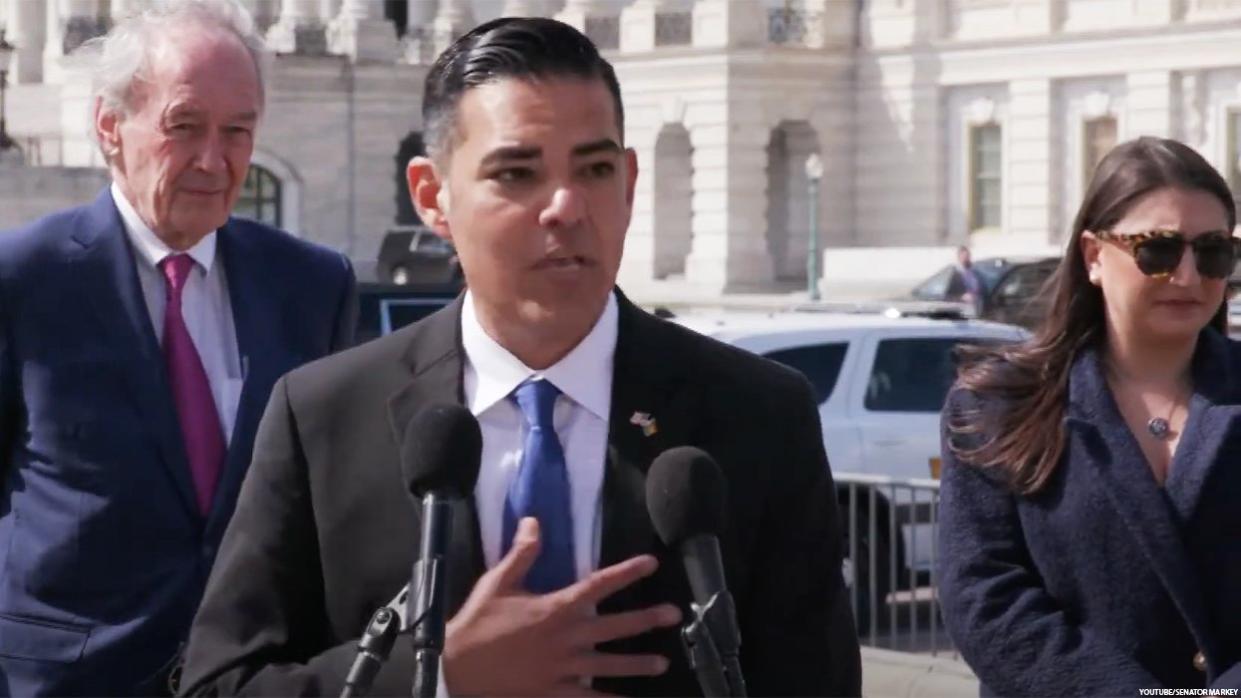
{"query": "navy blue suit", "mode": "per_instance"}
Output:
(103, 552)
(1103, 582)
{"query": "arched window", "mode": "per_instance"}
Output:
(1099, 136)
(260, 197)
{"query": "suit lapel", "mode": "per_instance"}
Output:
(435, 360)
(1210, 428)
(261, 347)
(646, 383)
(106, 271)
(1135, 495)
(646, 379)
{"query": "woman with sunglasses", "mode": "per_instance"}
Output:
(1090, 520)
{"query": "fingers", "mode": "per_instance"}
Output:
(605, 582)
(511, 571)
(596, 664)
(620, 625)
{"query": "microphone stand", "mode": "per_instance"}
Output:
(712, 650)
(376, 644)
(427, 607)
(373, 650)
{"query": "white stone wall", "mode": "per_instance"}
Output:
(336, 127)
(1221, 95)
(1047, 65)
(27, 193)
(720, 203)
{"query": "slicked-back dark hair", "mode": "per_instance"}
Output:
(523, 48)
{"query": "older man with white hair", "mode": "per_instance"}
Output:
(140, 336)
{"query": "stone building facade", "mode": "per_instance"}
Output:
(938, 122)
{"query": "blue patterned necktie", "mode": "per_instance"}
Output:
(541, 490)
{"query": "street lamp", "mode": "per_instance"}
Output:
(6, 55)
(814, 174)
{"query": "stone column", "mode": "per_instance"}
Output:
(361, 32)
(299, 29)
(418, 46)
(729, 249)
(453, 19)
(26, 29)
(1150, 103)
(1030, 194)
(638, 263)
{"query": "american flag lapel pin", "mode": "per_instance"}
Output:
(646, 421)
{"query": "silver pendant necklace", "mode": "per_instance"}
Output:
(1159, 427)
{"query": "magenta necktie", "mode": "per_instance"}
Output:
(200, 424)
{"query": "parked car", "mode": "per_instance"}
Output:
(881, 383)
(1011, 289)
(416, 255)
(385, 308)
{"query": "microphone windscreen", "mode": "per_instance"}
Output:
(685, 495)
(440, 451)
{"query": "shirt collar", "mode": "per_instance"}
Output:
(150, 248)
(584, 375)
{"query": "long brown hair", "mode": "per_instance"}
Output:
(1028, 383)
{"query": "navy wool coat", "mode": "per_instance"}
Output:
(1103, 582)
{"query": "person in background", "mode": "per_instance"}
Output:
(966, 285)
(1089, 537)
(140, 336)
(557, 584)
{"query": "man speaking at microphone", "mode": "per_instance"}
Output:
(576, 391)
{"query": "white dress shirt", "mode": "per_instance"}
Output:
(584, 377)
(205, 306)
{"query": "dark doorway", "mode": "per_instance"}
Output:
(410, 147)
(398, 12)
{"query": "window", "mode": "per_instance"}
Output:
(1098, 139)
(1234, 154)
(985, 176)
(912, 375)
(1024, 283)
(260, 197)
(820, 363)
(936, 287)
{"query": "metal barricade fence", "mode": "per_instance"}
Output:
(891, 529)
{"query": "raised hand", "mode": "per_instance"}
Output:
(506, 641)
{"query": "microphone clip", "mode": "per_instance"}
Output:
(712, 650)
(373, 649)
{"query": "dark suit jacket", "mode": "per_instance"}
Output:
(325, 532)
(1103, 583)
(103, 553)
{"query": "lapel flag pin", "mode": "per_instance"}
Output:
(646, 421)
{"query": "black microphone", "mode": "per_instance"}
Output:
(685, 498)
(440, 453)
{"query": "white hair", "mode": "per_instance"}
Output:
(122, 57)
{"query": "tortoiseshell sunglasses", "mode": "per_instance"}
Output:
(1158, 252)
